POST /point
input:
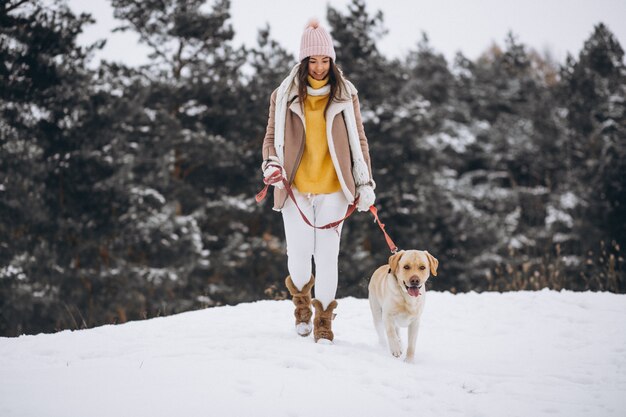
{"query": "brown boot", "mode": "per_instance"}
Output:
(323, 320)
(302, 300)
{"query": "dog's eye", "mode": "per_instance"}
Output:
(407, 267)
(422, 267)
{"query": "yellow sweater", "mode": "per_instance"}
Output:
(316, 172)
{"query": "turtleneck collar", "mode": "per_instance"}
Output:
(317, 83)
(318, 87)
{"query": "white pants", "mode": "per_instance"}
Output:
(304, 242)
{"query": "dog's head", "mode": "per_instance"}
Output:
(412, 268)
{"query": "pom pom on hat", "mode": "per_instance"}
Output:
(313, 23)
(316, 41)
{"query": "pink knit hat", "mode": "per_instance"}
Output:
(316, 41)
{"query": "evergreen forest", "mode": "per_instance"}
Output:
(128, 192)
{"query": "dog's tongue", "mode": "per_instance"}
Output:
(414, 291)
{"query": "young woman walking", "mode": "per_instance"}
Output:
(315, 139)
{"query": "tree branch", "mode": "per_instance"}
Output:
(179, 63)
(9, 8)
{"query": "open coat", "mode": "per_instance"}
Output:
(337, 136)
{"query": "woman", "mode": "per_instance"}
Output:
(315, 138)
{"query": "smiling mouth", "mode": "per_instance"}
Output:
(413, 290)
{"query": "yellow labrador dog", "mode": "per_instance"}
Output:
(397, 293)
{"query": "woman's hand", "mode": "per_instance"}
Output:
(366, 196)
(270, 167)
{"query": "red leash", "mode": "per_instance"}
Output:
(392, 246)
(278, 177)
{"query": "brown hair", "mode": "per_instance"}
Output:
(335, 81)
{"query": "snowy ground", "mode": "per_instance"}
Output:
(514, 354)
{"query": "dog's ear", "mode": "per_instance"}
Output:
(433, 262)
(394, 259)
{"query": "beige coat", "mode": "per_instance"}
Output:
(337, 142)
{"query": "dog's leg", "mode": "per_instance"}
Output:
(395, 346)
(413, 330)
(377, 316)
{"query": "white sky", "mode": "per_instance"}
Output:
(469, 26)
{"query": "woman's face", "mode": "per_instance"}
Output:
(319, 65)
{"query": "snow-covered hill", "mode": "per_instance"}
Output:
(514, 354)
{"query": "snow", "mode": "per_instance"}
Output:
(9, 271)
(148, 192)
(569, 200)
(513, 354)
(558, 216)
(459, 141)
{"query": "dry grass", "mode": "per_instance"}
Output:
(597, 271)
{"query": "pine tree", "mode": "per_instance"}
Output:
(192, 101)
(594, 95)
(46, 163)
(356, 34)
(428, 73)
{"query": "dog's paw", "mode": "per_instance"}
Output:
(409, 359)
(395, 346)
(396, 349)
